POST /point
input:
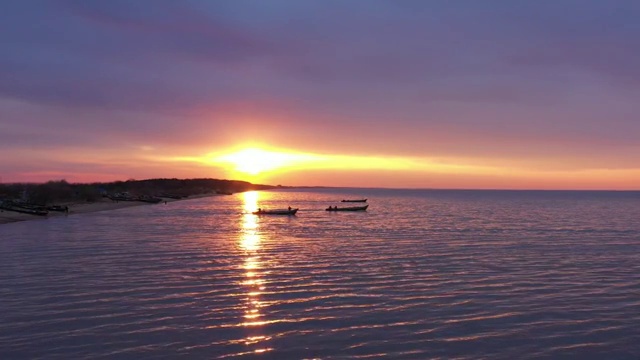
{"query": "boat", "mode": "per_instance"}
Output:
(23, 210)
(354, 200)
(58, 208)
(350, 208)
(149, 199)
(172, 196)
(288, 211)
(125, 196)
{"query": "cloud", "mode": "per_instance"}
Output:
(122, 55)
(170, 56)
(490, 79)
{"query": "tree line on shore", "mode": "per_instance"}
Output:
(59, 191)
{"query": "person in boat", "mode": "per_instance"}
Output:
(259, 210)
(289, 208)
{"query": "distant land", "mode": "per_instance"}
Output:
(30, 201)
(61, 191)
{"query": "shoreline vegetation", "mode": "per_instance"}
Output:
(29, 201)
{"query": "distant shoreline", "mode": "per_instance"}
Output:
(7, 217)
(93, 197)
(459, 189)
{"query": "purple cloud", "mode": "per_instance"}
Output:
(465, 78)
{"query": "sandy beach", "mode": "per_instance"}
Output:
(86, 207)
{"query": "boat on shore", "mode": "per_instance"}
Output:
(172, 196)
(123, 196)
(349, 208)
(58, 208)
(354, 200)
(24, 210)
(288, 211)
(128, 197)
(149, 199)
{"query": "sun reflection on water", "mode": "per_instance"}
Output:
(250, 243)
(250, 200)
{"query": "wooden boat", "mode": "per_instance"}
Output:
(121, 197)
(288, 211)
(350, 208)
(354, 200)
(23, 210)
(172, 196)
(59, 208)
(149, 199)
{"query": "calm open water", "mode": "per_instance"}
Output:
(421, 274)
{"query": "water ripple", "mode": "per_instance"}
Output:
(433, 275)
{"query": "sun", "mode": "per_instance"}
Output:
(254, 161)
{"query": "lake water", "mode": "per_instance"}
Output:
(421, 274)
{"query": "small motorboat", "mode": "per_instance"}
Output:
(288, 211)
(350, 208)
(354, 200)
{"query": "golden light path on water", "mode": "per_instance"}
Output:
(254, 284)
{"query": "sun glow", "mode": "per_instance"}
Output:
(271, 165)
(254, 161)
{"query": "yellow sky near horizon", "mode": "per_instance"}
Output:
(288, 167)
(259, 163)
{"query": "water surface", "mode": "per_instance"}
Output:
(421, 274)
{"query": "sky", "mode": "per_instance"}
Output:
(499, 94)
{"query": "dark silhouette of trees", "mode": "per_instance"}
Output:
(56, 191)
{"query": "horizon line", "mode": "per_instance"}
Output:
(324, 186)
